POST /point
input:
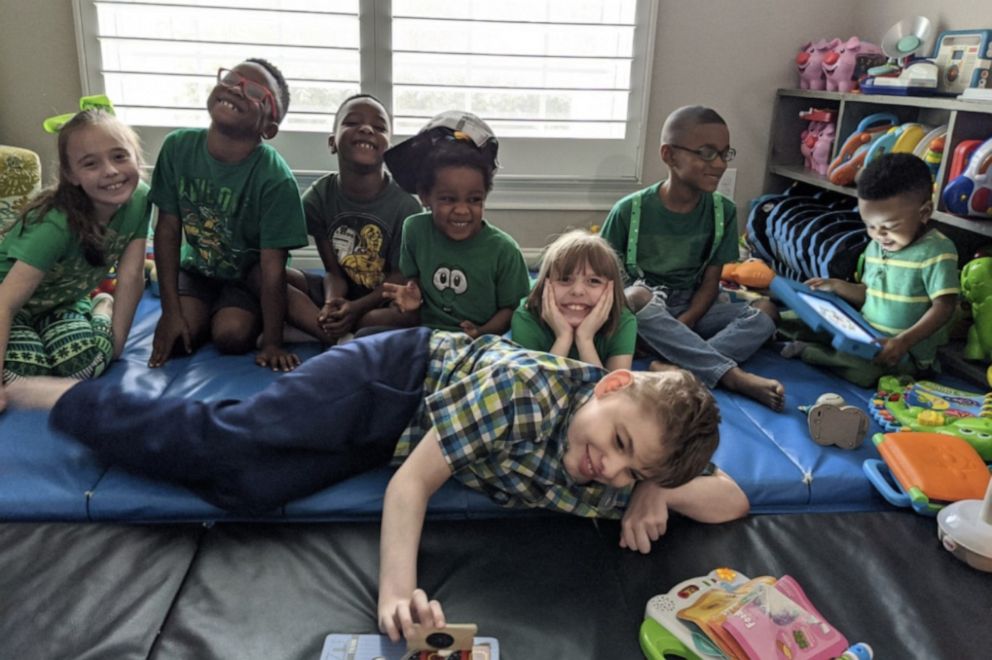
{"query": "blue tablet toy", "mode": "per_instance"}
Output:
(827, 312)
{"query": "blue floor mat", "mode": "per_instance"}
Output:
(47, 476)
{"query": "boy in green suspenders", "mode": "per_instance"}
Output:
(676, 235)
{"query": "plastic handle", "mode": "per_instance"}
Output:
(873, 468)
(878, 119)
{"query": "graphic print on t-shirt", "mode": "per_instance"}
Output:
(451, 282)
(360, 252)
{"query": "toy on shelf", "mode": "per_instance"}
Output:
(976, 287)
(962, 154)
(816, 142)
(903, 404)
(848, 62)
(930, 470)
(906, 73)
(853, 152)
(724, 614)
(965, 530)
(970, 193)
(753, 273)
(931, 149)
(809, 63)
(832, 422)
(827, 312)
(962, 56)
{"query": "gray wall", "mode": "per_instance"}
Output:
(729, 54)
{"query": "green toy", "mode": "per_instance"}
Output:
(976, 287)
(904, 405)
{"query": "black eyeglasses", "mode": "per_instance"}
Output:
(709, 154)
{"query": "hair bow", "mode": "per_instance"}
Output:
(95, 102)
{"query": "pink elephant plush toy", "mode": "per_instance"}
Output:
(809, 63)
(848, 61)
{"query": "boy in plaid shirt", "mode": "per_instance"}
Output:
(528, 429)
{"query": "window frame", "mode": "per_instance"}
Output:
(307, 153)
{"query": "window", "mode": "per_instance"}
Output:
(562, 82)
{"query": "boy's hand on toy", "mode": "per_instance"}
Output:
(337, 317)
(552, 315)
(397, 615)
(893, 350)
(646, 517)
(470, 329)
(170, 328)
(406, 297)
(597, 317)
(276, 358)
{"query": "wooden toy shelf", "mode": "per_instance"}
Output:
(965, 120)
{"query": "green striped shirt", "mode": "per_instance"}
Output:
(901, 287)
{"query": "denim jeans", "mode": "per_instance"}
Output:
(727, 334)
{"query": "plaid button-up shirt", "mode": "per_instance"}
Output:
(502, 413)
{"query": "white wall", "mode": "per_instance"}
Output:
(728, 54)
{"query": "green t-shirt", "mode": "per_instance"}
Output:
(228, 211)
(50, 246)
(673, 249)
(467, 280)
(365, 235)
(901, 287)
(531, 332)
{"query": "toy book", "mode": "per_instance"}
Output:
(379, 647)
(726, 615)
(827, 312)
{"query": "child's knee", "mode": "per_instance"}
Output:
(89, 362)
(233, 341)
(768, 308)
(637, 297)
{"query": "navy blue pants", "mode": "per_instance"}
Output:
(338, 414)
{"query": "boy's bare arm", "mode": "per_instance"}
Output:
(704, 296)
(935, 318)
(171, 326)
(712, 499)
(272, 298)
(335, 285)
(850, 291)
(497, 325)
(403, 510)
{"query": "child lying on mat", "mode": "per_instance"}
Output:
(526, 428)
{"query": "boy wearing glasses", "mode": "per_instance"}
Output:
(238, 204)
(676, 236)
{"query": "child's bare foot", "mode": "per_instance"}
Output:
(39, 392)
(765, 391)
(659, 365)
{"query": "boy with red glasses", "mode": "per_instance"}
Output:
(238, 204)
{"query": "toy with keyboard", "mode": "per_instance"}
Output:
(827, 312)
(962, 56)
(926, 471)
(725, 615)
(902, 404)
(970, 193)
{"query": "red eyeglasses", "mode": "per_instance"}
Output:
(251, 89)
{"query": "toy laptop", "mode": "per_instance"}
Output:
(379, 647)
(827, 312)
(930, 470)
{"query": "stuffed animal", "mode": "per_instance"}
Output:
(848, 62)
(809, 63)
(976, 287)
